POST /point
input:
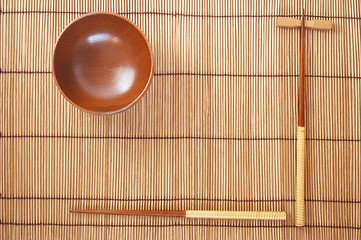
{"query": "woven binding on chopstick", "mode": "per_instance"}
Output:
(300, 177)
(255, 215)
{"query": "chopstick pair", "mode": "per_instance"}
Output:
(300, 161)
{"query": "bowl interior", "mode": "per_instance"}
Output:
(102, 63)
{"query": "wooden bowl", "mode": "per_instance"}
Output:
(102, 63)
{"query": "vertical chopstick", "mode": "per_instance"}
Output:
(300, 161)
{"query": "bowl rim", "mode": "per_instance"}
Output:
(140, 96)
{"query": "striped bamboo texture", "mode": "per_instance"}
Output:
(216, 130)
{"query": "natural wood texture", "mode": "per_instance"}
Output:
(314, 24)
(301, 80)
(216, 130)
(132, 212)
(285, 22)
(318, 24)
(102, 63)
(246, 215)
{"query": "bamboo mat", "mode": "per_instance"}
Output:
(215, 131)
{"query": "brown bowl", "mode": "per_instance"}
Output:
(102, 63)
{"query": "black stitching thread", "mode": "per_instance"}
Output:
(207, 74)
(173, 199)
(145, 199)
(153, 138)
(184, 14)
(178, 137)
(172, 225)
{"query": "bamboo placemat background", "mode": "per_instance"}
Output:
(215, 131)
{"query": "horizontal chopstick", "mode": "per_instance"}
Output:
(255, 215)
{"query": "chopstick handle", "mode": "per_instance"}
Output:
(253, 215)
(300, 177)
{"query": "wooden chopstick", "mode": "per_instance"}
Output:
(301, 130)
(255, 215)
(300, 161)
